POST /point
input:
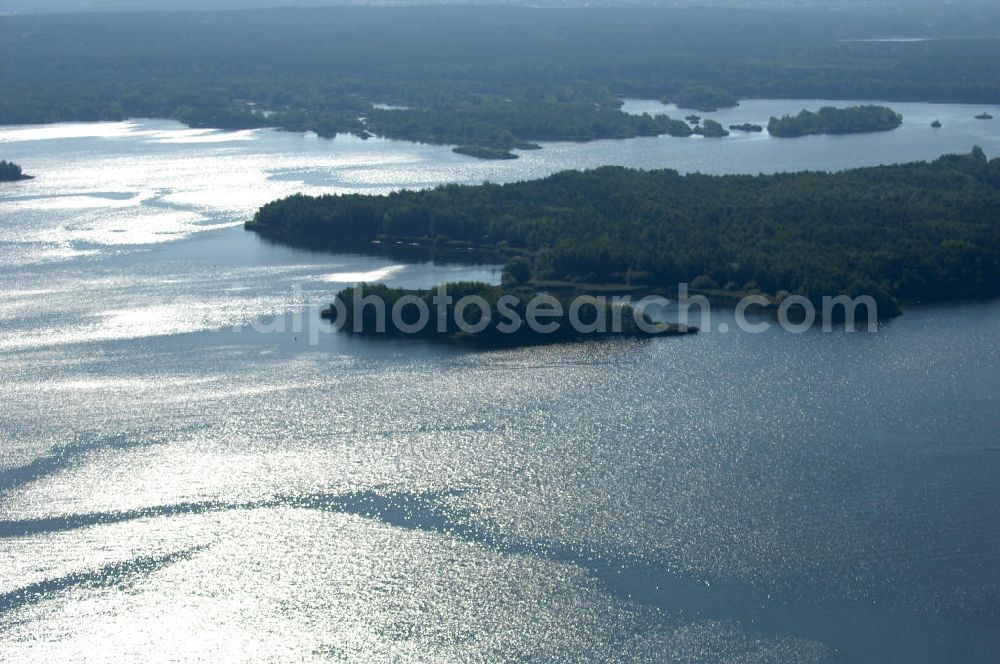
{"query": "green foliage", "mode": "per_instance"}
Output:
(504, 321)
(492, 126)
(517, 271)
(829, 120)
(703, 282)
(487, 77)
(705, 98)
(908, 232)
(711, 129)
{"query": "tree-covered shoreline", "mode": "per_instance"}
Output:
(902, 234)
(836, 121)
(504, 317)
(705, 98)
(496, 78)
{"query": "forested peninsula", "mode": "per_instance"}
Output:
(505, 324)
(537, 74)
(902, 234)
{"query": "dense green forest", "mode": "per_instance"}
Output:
(495, 77)
(704, 98)
(900, 233)
(830, 120)
(506, 324)
(10, 172)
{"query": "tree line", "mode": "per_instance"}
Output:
(487, 315)
(900, 233)
(498, 77)
(830, 120)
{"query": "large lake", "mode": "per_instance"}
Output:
(186, 473)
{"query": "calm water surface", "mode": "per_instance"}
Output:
(176, 483)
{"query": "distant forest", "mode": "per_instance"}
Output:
(487, 77)
(901, 233)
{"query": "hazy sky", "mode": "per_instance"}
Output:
(36, 6)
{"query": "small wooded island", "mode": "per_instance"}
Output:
(711, 129)
(901, 234)
(506, 324)
(11, 172)
(830, 120)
